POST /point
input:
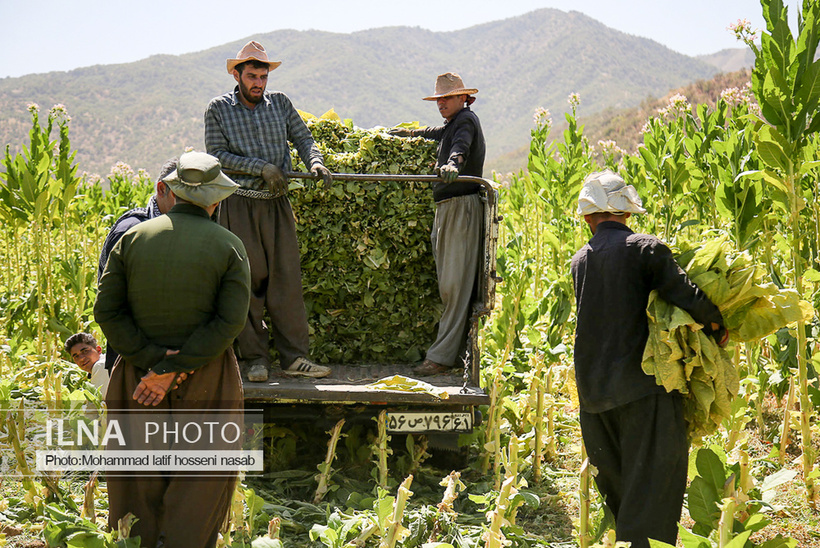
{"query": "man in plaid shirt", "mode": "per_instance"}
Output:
(248, 129)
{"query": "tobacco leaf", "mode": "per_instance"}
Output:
(368, 273)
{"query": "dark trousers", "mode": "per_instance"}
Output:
(641, 453)
(268, 231)
(182, 509)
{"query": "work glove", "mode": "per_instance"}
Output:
(400, 132)
(320, 169)
(717, 332)
(275, 178)
(721, 336)
(448, 172)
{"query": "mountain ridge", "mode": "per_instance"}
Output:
(146, 111)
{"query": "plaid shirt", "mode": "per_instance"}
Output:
(245, 140)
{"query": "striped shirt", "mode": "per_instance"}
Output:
(245, 140)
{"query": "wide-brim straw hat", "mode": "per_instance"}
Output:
(606, 192)
(252, 51)
(449, 84)
(198, 179)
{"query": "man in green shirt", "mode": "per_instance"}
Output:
(172, 298)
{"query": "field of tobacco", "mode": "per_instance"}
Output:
(734, 190)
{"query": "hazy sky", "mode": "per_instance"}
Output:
(47, 35)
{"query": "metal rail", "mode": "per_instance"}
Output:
(375, 177)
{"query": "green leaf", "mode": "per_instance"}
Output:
(756, 522)
(773, 149)
(702, 502)
(808, 92)
(779, 542)
(691, 540)
(775, 100)
(739, 541)
(86, 540)
(811, 275)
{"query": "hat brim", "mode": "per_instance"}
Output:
(462, 91)
(233, 62)
(205, 194)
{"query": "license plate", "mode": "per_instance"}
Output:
(433, 421)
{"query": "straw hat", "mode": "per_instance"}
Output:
(449, 84)
(252, 51)
(605, 192)
(198, 179)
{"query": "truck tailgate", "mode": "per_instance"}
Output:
(347, 384)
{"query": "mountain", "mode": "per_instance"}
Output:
(624, 125)
(730, 60)
(142, 113)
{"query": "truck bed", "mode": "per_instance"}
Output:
(347, 384)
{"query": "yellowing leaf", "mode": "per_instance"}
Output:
(401, 383)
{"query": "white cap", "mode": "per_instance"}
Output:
(606, 192)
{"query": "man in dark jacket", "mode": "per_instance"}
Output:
(159, 204)
(459, 221)
(633, 430)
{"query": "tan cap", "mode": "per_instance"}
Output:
(449, 84)
(252, 51)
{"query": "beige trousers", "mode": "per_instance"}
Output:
(456, 238)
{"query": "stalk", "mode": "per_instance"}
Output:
(325, 469)
(727, 521)
(235, 519)
(395, 530)
(419, 453)
(734, 429)
(538, 456)
(89, 510)
(492, 417)
(793, 184)
(550, 416)
(761, 394)
(452, 483)
(494, 537)
(746, 484)
(511, 464)
(125, 524)
(584, 531)
(381, 449)
(497, 456)
(784, 433)
(273, 527)
(41, 294)
(19, 453)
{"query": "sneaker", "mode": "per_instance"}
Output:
(303, 367)
(429, 368)
(258, 370)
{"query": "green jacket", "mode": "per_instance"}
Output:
(180, 282)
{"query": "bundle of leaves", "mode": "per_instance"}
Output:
(682, 357)
(368, 273)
